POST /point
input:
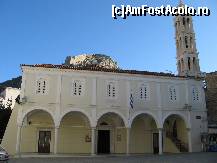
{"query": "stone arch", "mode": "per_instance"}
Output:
(157, 122)
(20, 121)
(115, 112)
(183, 21)
(83, 112)
(175, 127)
(181, 115)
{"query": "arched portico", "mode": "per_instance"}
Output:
(182, 115)
(111, 134)
(114, 112)
(144, 134)
(176, 134)
(35, 132)
(82, 111)
(74, 133)
(32, 110)
(158, 123)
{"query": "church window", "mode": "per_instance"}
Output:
(194, 63)
(143, 92)
(172, 93)
(183, 21)
(41, 85)
(195, 94)
(177, 26)
(188, 23)
(77, 88)
(111, 89)
(186, 41)
(189, 63)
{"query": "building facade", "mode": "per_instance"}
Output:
(9, 94)
(211, 101)
(86, 107)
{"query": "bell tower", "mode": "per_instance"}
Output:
(186, 51)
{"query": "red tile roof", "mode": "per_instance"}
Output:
(97, 68)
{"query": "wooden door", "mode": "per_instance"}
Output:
(103, 145)
(155, 143)
(44, 141)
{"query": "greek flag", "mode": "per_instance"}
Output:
(131, 100)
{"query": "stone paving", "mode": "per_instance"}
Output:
(166, 158)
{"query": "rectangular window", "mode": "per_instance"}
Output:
(42, 86)
(77, 88)
(198, 117)
(172, 93)
(195, 94)
(111, 90)
(143, 92)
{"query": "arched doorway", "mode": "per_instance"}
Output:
(111, 134)
(37, 133)
(175, 137)
(74, 134)
(144, 135)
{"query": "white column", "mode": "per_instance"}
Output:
(160, 141)
(93, 138)
(189, 140)
(18, 139)
(56, 135)
(128, 141)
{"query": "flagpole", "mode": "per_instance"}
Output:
(131, 103)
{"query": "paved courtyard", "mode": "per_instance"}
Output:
(166, 158)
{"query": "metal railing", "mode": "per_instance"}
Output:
(183, 147)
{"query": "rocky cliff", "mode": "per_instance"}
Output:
(85, 60)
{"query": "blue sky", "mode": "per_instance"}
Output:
(46, 31)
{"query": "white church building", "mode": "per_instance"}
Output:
(90, 106)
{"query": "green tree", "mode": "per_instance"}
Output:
(5, 113)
